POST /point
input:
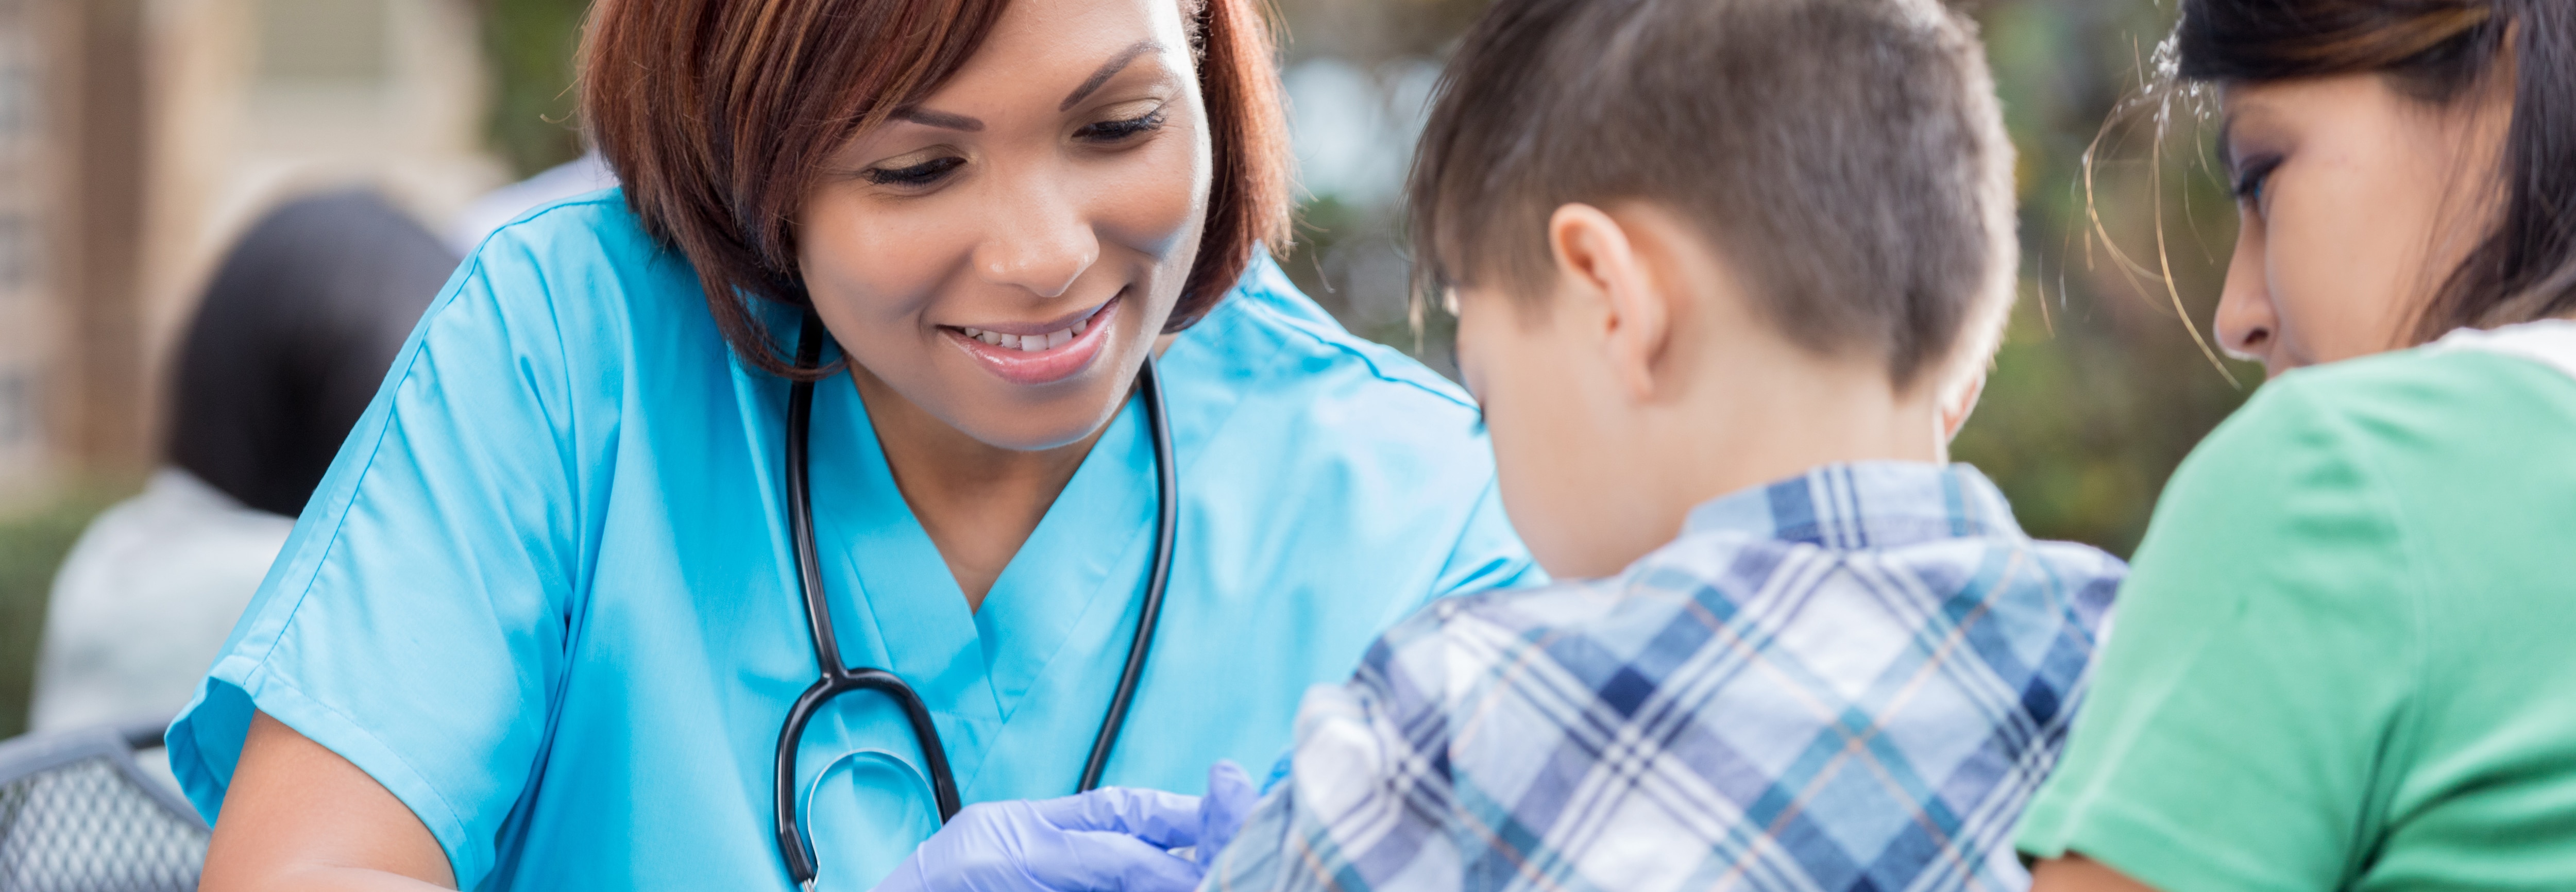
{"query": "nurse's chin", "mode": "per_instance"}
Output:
(1053, 424)
(1038, 419)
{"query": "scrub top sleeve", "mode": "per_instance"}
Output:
(2259, 671)
(415, 623)
(1488, 554)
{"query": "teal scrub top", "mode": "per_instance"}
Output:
(545, 595)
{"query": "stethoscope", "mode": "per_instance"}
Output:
(838, 678)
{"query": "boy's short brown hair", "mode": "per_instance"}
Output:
(1849, 156)
(718, 115)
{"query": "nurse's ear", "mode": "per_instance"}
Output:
(1608, 292)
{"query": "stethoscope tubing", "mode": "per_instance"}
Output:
(1166, 519)
(837, 677)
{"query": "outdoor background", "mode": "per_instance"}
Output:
(138, 136)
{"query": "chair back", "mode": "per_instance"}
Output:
(77, 814)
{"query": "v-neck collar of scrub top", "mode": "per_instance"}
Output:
(974, 667)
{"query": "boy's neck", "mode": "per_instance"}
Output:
(1758, 425)
(1754, 416)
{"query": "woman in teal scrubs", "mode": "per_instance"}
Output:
(538, 628)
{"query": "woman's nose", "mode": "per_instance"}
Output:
(1038, 242)
(2247, 323)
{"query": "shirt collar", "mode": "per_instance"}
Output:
(1864, 505)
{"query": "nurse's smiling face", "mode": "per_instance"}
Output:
(1003, 254)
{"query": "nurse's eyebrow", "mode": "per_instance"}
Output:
(942, 120)
(1108, 70)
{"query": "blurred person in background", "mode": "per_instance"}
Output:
(587, 173)
(292, 338)
(547, 623)
(2343, 661)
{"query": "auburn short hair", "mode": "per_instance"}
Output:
(719, 115)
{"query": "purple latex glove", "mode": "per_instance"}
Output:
(1223, 810)
(1113, 839)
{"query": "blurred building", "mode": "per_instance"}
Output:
(137, 138)
(27, 313)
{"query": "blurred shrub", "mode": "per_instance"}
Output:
(32, 545)
(2102, 386)
(529, 46)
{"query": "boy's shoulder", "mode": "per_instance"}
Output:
(1738, 669)
(1797, 552)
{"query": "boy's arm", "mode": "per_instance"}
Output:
(1366, 801)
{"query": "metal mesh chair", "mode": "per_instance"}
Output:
(78, 815)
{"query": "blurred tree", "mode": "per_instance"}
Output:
(530, 45)
(32, 545)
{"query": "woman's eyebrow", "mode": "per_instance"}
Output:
(1110, 69)
(2226, 145)
(942, 120)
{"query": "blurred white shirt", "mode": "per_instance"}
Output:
(145, 601)
(580, 176)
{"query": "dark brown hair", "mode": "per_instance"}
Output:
(2436, 51)
(719, 114)
(1849, 155)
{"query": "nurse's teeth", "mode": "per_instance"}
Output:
(1032, 343)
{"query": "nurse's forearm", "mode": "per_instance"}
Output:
(298, 818)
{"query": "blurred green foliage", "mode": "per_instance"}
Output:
(32, 545)
(529, 47)
(2101, 387)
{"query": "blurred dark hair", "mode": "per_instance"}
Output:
(292, 340)
(2436, 51)
(718, 116)
(1847, 155)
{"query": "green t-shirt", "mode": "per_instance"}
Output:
(2346, 658)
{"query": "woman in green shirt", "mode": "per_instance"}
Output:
(2345, 660)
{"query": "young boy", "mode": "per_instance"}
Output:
(1728, 273)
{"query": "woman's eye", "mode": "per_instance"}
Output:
(922, 174)
(1115, 131)
(2251, 180)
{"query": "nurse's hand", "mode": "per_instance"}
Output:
(1223, 810)
(1113, 839)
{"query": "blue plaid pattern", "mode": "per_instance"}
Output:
(1851, 680)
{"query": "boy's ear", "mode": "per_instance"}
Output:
(1960, 403)
(1596, 257)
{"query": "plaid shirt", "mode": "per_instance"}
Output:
(1849, 680)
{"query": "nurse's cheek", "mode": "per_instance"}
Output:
(1142, 214)
(874, 270)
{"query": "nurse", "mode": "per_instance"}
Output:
(539, 626)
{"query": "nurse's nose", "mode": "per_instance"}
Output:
(1038, 240)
